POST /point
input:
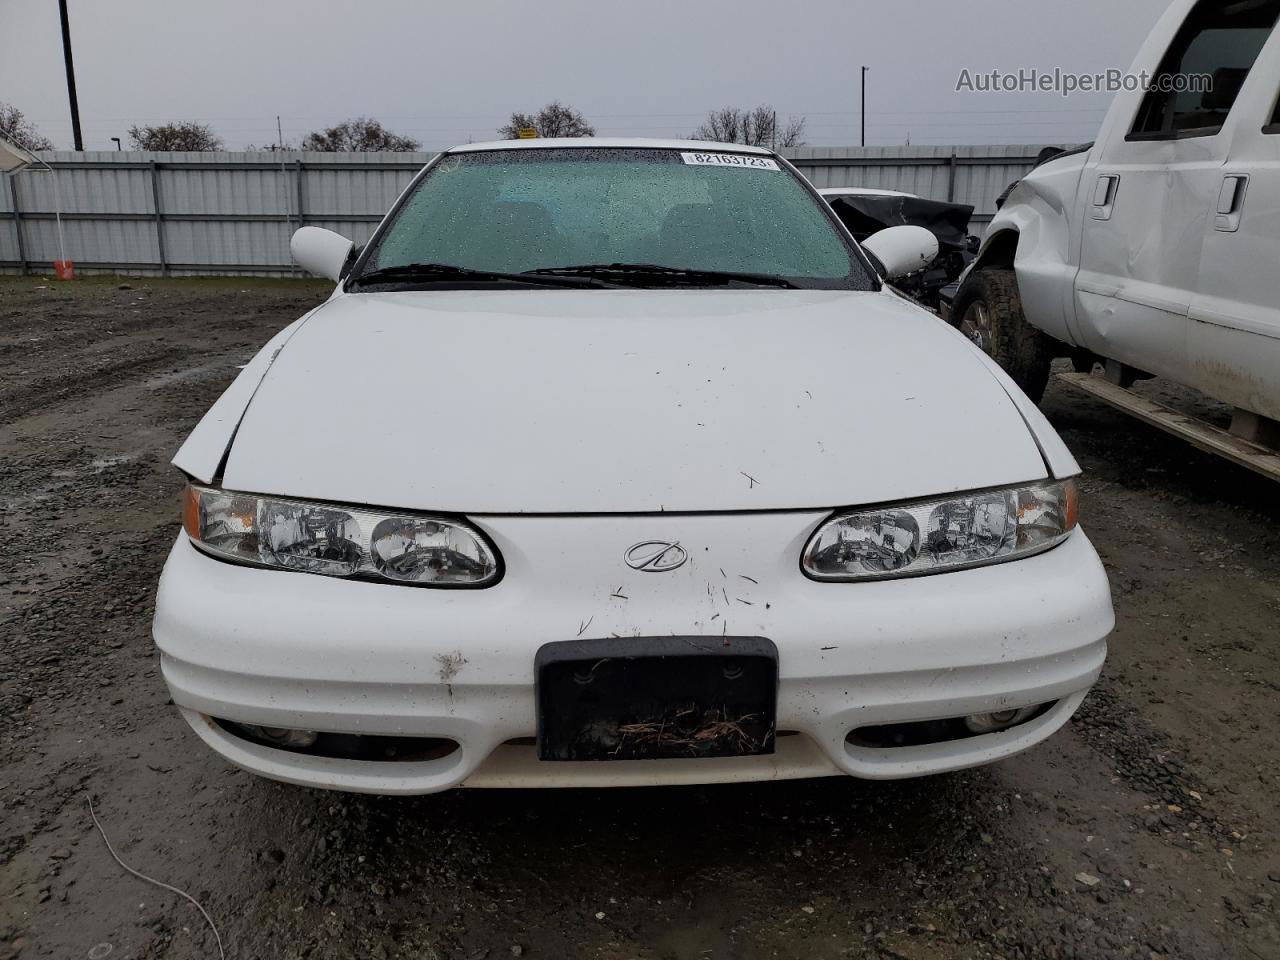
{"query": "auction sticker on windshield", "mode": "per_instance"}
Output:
(729, 160)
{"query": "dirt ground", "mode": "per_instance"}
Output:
(1148, 828)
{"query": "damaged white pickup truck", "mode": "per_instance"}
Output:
(1155, 250)
(615, 462)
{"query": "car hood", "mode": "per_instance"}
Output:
(602, 401)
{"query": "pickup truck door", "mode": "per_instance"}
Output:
(1234, 335)
(1159, 171)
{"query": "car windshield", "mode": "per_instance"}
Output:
(630, 217)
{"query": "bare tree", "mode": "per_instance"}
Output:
(16, 128)
(358, 135)
(553, 120)
(176, 135)
(792, 135)
(757, 127)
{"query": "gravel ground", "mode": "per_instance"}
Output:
(1146, 829)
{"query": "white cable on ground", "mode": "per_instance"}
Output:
(163, 886)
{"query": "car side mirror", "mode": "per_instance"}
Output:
(902, 250)
(320, 251)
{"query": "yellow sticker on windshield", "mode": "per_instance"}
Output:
(729, 160)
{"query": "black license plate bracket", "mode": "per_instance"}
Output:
(651, 698)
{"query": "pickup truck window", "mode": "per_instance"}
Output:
(1274, 126)
(1219, 41)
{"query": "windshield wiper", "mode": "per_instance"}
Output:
(655, 271)
(444, 272)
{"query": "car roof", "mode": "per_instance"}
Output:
(861, 192)
(614, 142)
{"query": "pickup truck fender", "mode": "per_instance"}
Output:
(1037, 233)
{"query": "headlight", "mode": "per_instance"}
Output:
(909, 539)
(337, 541)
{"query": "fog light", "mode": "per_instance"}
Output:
(994, 722)
(280, 737)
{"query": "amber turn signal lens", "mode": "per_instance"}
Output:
(191, 512)
(1071, 494)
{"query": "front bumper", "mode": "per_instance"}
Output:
(297, 651)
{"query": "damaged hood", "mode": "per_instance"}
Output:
(613, 401)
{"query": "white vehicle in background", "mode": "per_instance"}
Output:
(835, 193)
(613, 462)
(1156, 251)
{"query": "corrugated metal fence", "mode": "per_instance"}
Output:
(233, 213)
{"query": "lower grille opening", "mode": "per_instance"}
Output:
(921, 733)
(342, 746)
(533, 741)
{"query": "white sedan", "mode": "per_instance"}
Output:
(613, 462)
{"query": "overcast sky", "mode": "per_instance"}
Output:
(445, 73)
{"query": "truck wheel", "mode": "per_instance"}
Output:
(988, 311)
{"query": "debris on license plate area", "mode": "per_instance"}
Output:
(656, 698)
(696, 733)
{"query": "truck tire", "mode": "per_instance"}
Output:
(988, 310)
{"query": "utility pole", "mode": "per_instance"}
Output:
(71, 76)
(864, 105)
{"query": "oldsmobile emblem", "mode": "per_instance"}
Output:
(656, 556)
